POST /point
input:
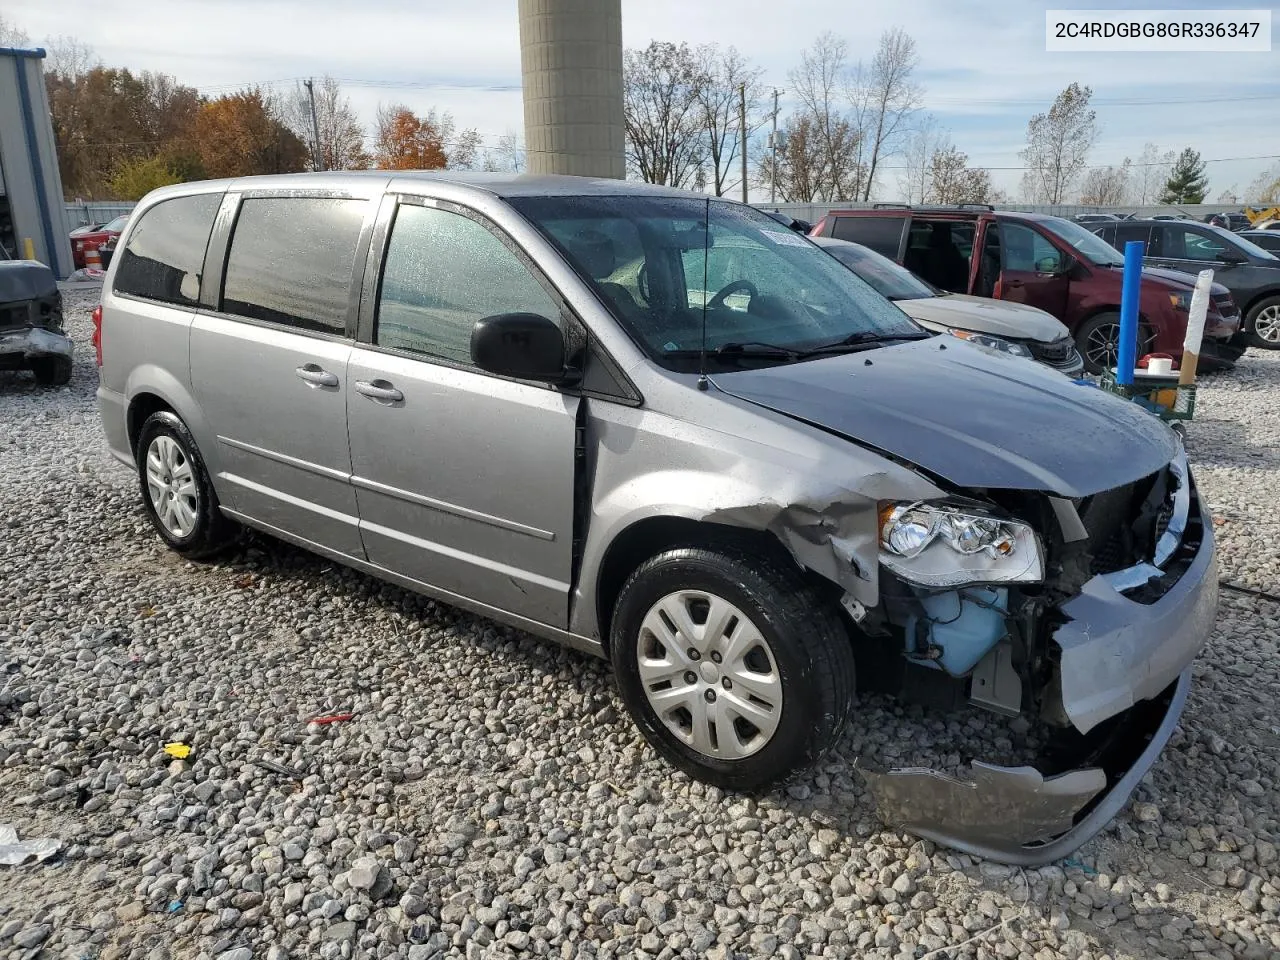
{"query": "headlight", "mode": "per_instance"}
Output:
(946, 546)
(1181, 301)
(991, 343)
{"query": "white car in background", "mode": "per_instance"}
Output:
(997, 325)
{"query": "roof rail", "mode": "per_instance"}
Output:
(891, 206)
(975, 206)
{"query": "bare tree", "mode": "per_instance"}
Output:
(952, 180)
(1106, 186)
(719, 100)
(12, 35)
(1058, 145)
(890, 98)
(1150, 174)
(341, 143)
(927, 138)
(69, 57)
(1265, 189)
(1229, 195)
(662, 89)
(801, 161)
(818, 83)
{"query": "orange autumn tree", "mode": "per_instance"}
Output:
(238, 136)
(406, 141)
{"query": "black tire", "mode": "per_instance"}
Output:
(52, 371)
(811, 650)
(1106, 325)
(211, 532)
(1271, 306)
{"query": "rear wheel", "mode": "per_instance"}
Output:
(51, 371)
(1098, 341)
(1263, 324)
(734, 669)
(176, 491)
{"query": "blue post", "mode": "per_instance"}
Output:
(1129, 312)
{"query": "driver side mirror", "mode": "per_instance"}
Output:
(1231, 259)
(524, 346)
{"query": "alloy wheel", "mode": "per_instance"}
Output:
(1267, 324)
(171, 485)
(1102, 347)
(709, 674)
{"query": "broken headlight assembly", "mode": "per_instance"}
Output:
(944, 545)
(993, 344)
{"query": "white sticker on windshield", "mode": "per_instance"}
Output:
(786, 239)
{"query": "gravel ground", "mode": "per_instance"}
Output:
(490, 799)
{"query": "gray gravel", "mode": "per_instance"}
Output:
(489, 799)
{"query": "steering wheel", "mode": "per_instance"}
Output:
(730, 289)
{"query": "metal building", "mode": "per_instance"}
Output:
(571, 62)
(32, 215)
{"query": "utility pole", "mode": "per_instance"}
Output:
(773, 144)
(317, 162)
(742, 132)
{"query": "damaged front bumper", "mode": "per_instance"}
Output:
(31, 343)
(1123, 677)
(1017, 815)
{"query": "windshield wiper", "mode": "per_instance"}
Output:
(862, 340)
(745, 348)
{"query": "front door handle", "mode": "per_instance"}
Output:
(316, 376)
(379, 390)
(1014, 284)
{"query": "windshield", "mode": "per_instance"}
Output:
(117, 225)
(1244, 244)
(656, 262)
(891, 281)
(1089, 245)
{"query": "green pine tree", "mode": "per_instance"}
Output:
(1187, 182)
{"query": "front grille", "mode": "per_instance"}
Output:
(1225, 304)
(1122, 527)
(15, 315)
(1059, 352)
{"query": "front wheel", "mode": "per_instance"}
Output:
(51, 371)
(1098, 341)
(734, 669)
(1263, 324)
(176, 491)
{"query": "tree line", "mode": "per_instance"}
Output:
(853, 122)
(120, 134)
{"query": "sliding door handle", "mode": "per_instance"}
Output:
(379, 390)
(314, 375)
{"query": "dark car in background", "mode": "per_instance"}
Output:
(1044, 262)
(1234, 222)
(93, 236)
(31, 334)
(1268, 240)
(1251, 273)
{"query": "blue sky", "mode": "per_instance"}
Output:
(983, 62)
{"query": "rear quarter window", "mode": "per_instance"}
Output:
(164, 257)
(292, 261)
(881, 234)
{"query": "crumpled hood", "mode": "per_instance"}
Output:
(25, 280)
(975, 419)
(998, 317)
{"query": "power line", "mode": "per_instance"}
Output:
(1101, 166)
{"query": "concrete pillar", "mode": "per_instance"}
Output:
(571, 61)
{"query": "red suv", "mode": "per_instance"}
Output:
(1046, 262)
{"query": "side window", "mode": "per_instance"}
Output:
(1128, 232)
(1185, 244)
(1028, 250)
(164, 257)
(291, 261)
(443, 272)
(881, 234)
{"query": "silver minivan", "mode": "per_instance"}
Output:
(521, 395)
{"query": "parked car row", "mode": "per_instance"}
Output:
(1251, 273)
(1046, 262)
(744, 476)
